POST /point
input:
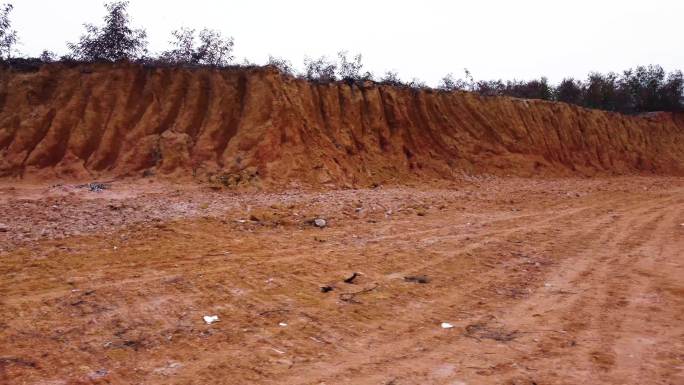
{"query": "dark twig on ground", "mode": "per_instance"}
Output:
(351, 278)
(351, 297)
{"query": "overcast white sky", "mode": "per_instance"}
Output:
(507, 39)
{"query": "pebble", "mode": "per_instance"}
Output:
(98, 374)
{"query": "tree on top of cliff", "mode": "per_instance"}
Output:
(448, 83)
(569, 91)
(213, 48)
(649, 88)
(603, 91)
(8, 36)
(391, 78)
(116, 40)
(283, 65)
(672, 92)
(417, 84)
(321, 69)
(349, 70)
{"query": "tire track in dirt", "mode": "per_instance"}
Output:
(132, 284)
(251, 258)
(591, 251)
(640, 352)
(597, 310)
(396, 345)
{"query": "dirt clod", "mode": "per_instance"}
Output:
(483, 331)
(417, 278)
(351, 278)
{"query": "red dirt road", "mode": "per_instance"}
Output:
(544, 281)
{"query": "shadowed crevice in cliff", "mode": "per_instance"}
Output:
(259, 125)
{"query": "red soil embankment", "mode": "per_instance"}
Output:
(258, 125)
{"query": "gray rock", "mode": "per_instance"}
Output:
(98, 374)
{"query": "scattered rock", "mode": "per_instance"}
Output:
(417, 278)
(98, 374)
(444, 371)
(351, 297)
(115, 207)
(97, 187)
(351, 278)
(325, 289)
(169, 369)
(17, 361)
(481, 331)
(320, 222)
(3, 228)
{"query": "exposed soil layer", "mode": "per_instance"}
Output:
(547, 281)
(256, 126)
(452, 270)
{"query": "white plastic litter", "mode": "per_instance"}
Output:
(446, 325)
(283, 324)
(210, 319)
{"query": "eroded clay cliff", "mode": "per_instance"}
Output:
(257, 125)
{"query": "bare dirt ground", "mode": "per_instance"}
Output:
(544, 282)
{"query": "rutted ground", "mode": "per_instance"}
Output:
(545, 281)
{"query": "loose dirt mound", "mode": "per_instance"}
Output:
(257, 126)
